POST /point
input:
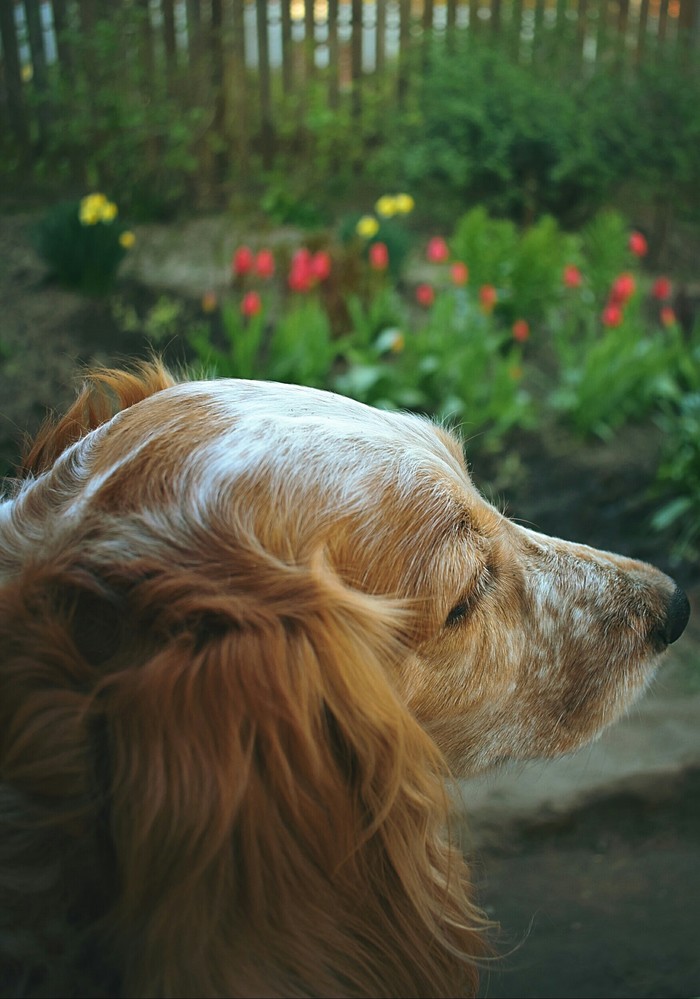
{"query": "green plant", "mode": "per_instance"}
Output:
(83, 243)
(451, 361)
(678, 476)
(614, 375)
(386, 226)
(244, 337)
(480, 127)
(524, 266)
(616, 361)
(677, 480)
(114, 122)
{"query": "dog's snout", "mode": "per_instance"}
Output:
(677, 614)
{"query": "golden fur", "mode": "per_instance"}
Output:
(247, 631)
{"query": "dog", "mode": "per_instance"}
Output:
(248, 633)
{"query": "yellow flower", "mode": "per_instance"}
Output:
(386, 206)
(367, 226)
(404, 204)
(127, 239)
(96, 208)
(91, 208)
(109, 211)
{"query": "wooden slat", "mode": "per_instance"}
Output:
(13, 76)
(334, 78)
(288, 81)
(266, 117)
(169, 43)
(642, 30)
(63, 47)
(243, 103)
(309, 42)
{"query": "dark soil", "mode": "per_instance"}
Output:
(606, 903)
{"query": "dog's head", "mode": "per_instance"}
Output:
(242, 626)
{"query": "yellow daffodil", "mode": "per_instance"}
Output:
(109, 211)
(367, 226)
(127, 239)
(96, 208)
(404, 204)
(386, 206)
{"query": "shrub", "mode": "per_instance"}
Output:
(484, 129)
(677, 481)
(83, 242)
(114, 122)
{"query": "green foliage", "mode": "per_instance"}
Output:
(486, 129)
(678, 476)
(524, 266)
(241, 356)
(301, 347)
(298, 347)
(663, 140)
(83, 243)
(116, 125)
(613, 376)
(605, 250)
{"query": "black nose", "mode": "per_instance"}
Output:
(677, 614)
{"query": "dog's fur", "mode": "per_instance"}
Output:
(247, 631)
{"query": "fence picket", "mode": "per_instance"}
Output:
(239, 58)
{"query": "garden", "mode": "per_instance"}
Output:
(527, 339)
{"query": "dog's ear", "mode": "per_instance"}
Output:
(56, 865)
(104, 393)
(275, 810)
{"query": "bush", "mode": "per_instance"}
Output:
(484, 129)
(83, 242)
(677, 481)
(115, 126)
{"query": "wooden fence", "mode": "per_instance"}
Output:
(238, 57)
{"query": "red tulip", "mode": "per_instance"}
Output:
(242, 261)
(251, 304)
(301, 277)
(265, 264)
(612, 315)
(437, 251)
(637, 244)
(668, 316)
(320, 265)
(661, 289)
(459, 273)
(425, 295)
(572, 276)
(521, 330)
(623, 288)
(487, 296)
(378, 256)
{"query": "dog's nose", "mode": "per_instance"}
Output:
(677, 614)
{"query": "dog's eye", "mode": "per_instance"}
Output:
(457, 614)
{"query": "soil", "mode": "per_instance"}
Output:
(599, 900)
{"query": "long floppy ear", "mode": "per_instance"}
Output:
(56, 866)
(104, 393)
(277, 815)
